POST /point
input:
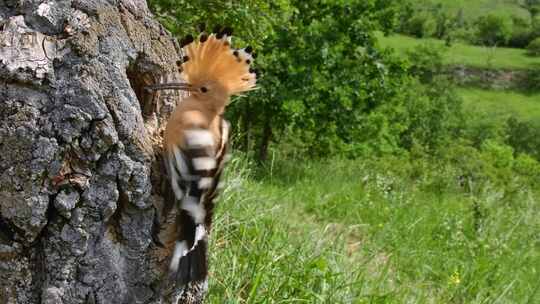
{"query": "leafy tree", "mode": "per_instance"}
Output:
(255, 23)
(524, 137)
(432, 116)
(522, 32)
(426, 61)
(532, 6)
(443, 21)
(533, 48)
(493, 30)
(422, 25)
(325, 87)
(252, 20)
(321, 72)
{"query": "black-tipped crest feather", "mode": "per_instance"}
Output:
(187, 40)
(211, 58)
(228, 31)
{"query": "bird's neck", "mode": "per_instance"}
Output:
(212, 108)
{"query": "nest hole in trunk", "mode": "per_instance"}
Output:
(138, 80)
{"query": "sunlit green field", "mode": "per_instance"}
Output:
(502, 104)
(474, 8)
(361, 232)
(464, 54)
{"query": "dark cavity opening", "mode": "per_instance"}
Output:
(138, 80)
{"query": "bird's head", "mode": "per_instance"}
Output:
(208, 92)
(214, 71)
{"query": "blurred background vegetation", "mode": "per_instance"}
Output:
(391, 153)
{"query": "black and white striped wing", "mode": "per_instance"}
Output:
(194, 173)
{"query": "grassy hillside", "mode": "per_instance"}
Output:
(502, 104)
(354, 232)
(474, 8)
(459, 53)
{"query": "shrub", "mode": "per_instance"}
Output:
(426, 61)
(479, 127)
(465, 34)
(520, 38)
(527, 166)
(493, 30)
(497, 154)
(443, 24)
(521, 33)
(533, 48)
(519, 21)
(532, 82)
(432, 116)
(535, 28)
(405, 15)
(421, 25)
(524, 137)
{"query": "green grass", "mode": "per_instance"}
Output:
(474, 8)
(361, 232)
(502, 104)
(463, 54)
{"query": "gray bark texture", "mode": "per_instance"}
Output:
(79, 176)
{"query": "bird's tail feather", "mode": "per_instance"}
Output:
(193, 266)
(189, 260)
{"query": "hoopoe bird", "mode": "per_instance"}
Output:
(195, 146)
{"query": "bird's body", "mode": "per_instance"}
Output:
(190, 113)
(195, 146)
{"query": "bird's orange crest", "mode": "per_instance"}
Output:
(211, 59)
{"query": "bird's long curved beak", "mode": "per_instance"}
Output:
(170, 86)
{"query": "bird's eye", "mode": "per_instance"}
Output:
(204, 89)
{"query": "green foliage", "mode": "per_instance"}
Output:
(532, 82)
(493, 30)
(464, 34)
(476, 22)
(535, 28)
(444, 23)
(326, 88)
(494, 165)
(479, 125)
(320, 67)
(421, 25)
(532, 6)
(328, 63)
(526, 166)
(533, 48)
(437, 205)
(426, 61)
(432, 116)
(524, 137)
(521, 33)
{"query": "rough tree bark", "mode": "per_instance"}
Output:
(78, 139)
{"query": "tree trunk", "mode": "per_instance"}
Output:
(79, 176)
(247, 126)
(265, 140)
